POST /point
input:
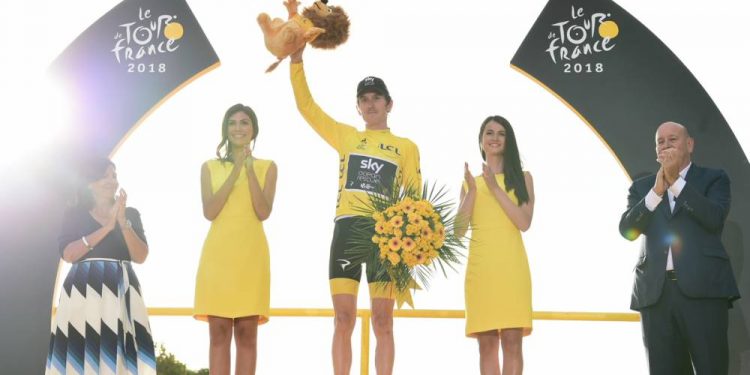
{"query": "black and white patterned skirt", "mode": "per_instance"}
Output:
(101, 325)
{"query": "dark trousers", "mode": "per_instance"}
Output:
(686, 335)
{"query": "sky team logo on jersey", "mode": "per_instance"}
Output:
(371, 165)
(370, 174)
(575, 42)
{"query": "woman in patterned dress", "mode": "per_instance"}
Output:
(101, 325)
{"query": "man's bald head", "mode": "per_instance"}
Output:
(674, 136)
(675, 126)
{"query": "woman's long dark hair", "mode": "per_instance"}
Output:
(89, 170)
(239, 107)
(512, 168)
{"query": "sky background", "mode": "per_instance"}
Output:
(445, 75)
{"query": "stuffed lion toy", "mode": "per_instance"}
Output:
(322, 26)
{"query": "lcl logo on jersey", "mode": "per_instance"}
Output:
(390, 148)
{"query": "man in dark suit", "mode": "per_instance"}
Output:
(684, 285)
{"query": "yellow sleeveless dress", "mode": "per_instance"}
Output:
(234, 273)
(498, 281)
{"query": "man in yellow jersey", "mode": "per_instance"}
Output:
(370, 160)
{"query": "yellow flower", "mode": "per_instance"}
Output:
(383, 247)
(415, 219)
(424, 224)
(439, 232)
(375, 239)
(398, 233)
(426, 232)
(409, 259)
(378, 216)
(388, 228)
(394, 243)
(390, 211)
(420, 257)
(394, 258)
(383, 252)
(408, 205)
(380, 227)
(409, 244)
(412, 229)
(397, 221)
(438, 243)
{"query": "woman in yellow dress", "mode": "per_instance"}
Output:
(232, 288)
(498, 205)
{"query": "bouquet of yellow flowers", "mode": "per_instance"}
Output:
(407, 237)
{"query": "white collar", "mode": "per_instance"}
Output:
(684, 171)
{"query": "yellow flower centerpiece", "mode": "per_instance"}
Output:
(410, 234)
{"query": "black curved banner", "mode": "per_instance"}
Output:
(114, 74)
(623, 82)
(126, 64)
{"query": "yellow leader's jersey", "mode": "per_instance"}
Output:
(370, 161)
